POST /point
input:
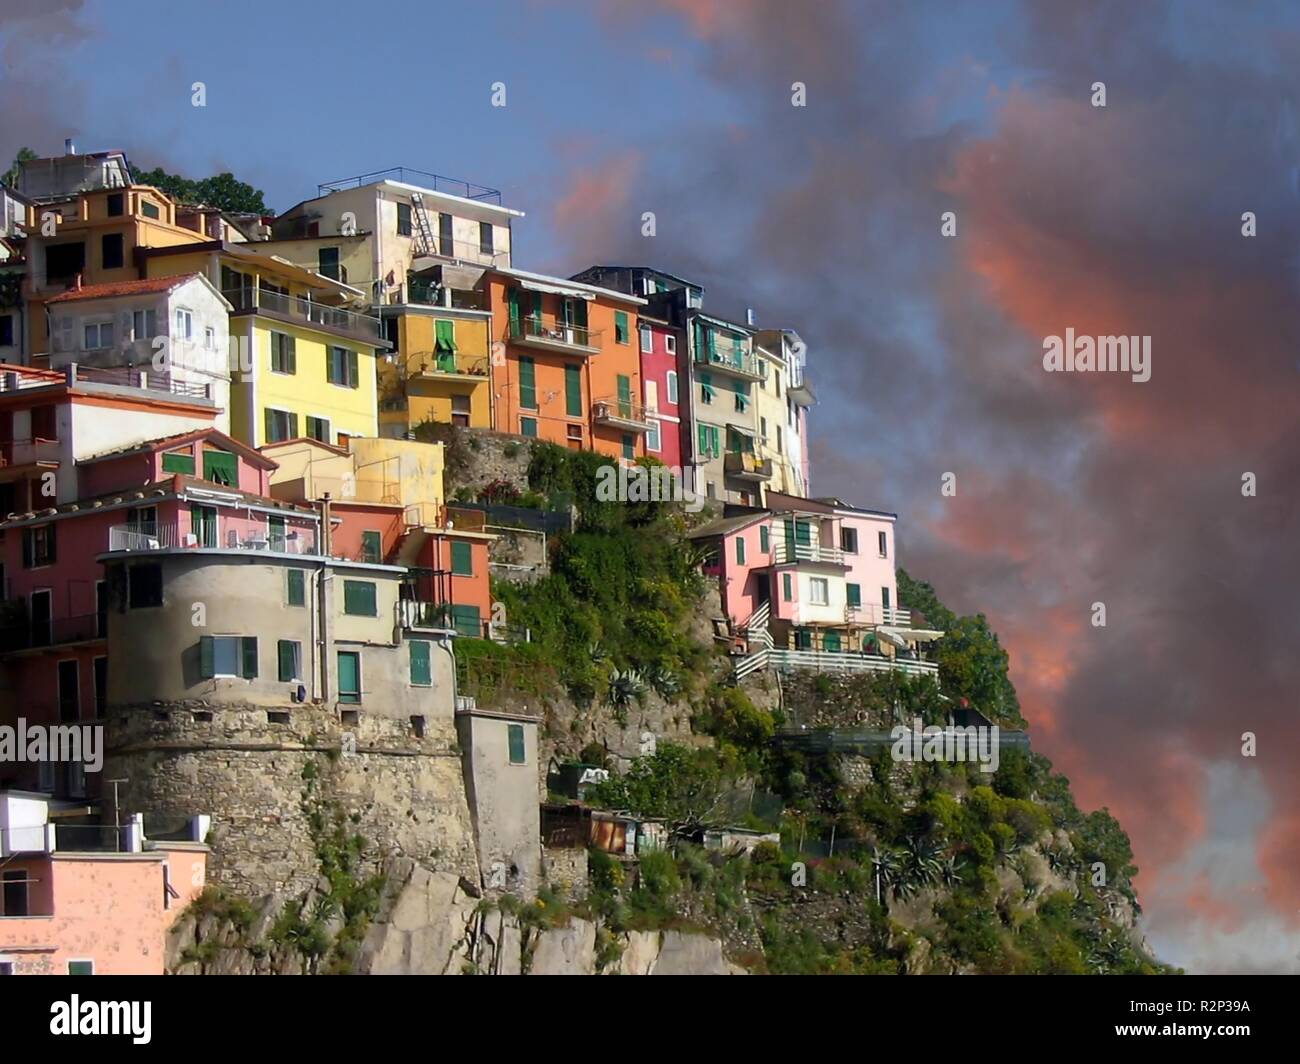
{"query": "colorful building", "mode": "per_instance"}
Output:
(661, 389)
(569, 368)
(784, 395)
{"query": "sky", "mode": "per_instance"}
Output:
(925, 350)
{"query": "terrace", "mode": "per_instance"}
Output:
(620, 413)
(299, 311)
(225, 533)
(550, 333)
(450, 186)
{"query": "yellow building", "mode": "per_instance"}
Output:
(303, 364)
(783, 396)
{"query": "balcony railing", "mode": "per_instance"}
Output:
(432, 294)
(421, 179)
(447, 364)
(294, 308)
(845, 661)
(621, 413)
(549, 332)
(873, 613)
(786, 552)
(25, 452)
(171, 537)
(745, 465)
(460, 250)
(438, 616)
(731, 357)
(121, 377)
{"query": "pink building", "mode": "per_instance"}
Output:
(659, 379)
(810, 583)
(83, 900)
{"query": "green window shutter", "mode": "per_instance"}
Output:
(81, 967)
(466, 621)
(269, 417)
(446, 336)
(573, 390)
(421, 663)
(625, 395)
(512, 299)
(629, 446)
(349, 676)
(462, 559)
(286, 655)
(359, 598)
(527, 384)
(536, 312)
(764, 539)
(620, 326)
(518, 751)
(297, 587)
(831, 642)
(803, 533)
(528, 427)
(291, 350)
(207, 664)
(293, 426)
(177, 462)
(855, 594)
(785, 587)
(706, 387)
(740, 550)
(354, 373)
(221, 467)
(248, 656)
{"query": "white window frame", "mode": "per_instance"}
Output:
(671, 385)
(882, 544)
(647, 339)
(670, 344)
(209, 338)
(822, 583)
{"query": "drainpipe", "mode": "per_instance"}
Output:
(322, 598)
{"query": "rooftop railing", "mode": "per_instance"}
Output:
(433, 182)
(223, 537)
(250, 300)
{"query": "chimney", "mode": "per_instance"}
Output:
(68, 147)
(750, 318)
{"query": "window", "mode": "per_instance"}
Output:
(670, 344)
(144, 587)
(81, 967)
(575, 434)
(13, 895)
(372, 546)
(445, 339)
(710, 441)
(349, 676)
(341, 368)
(318, 428)
(6, 967)
(802, 639)
(403, 219)
(652, 438)
(462, 559)
(647, 339)
(485, 238)
(740, 550)
(149, 210)
(359, 598)
(787, 590)
(527, 385)
(280, 425)
(288, 654)
(778, 440)
(98, 335)
(764, 539)
(38, 546)
(742, 396)
(854, 592)
(849, 540)
(515, 739)
(620, 326)
(6, 330)
(629, 446)
(528, 427)
(284, 354)
(183, 327)
(819, 591)
(111, 255)
(882, 541)
(297, 587)
(672, 386)
(573, 390)
(63, 262)
(221, 467)
(446, 243)
(706, 388)
(275, 533)
(210, 338)
(421, 663)
(227, 657)
(69, 677)
(116, 204)
(460, 410)
(328, 263)
(203, 524)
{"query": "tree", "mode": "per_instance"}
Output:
(10, 176)
(222, 191)
(679, 784)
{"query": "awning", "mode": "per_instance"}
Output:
(900, 637)
(555, 289)
(891, 636)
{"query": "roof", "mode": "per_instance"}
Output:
(123, 288)
(525, 275)
(299, 440)
(647, 269)
(163, 443)
(726, 525)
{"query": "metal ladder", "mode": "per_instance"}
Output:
(424, 232)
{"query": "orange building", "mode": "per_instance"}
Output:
(566, 366)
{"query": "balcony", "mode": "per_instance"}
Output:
(463, 251)
(787, 553)
(731, 356)
(30, 634)
(871, 613)
(445, 365)
(430, 293)
(298, 311)
(27, 452)
(626, 414)
(831, 661)
(167, 537)
(417, 615)
(554, 335)
(744, 465)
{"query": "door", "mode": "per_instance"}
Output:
(69, 696)
(762, 588)
(203, 520)
(40, 618)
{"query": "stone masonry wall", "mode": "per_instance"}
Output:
(403, 793)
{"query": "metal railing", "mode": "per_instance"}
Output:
(830, 661)
(542, 329)
(432, 294)
(170, 537)
(446, 362)
(746, 463)
(58, 631)
(463, 250)
(12, 380)
(874, 613)
(249, 300)
(451, 186)
(618, 409)
(785, 551)
(733, 356)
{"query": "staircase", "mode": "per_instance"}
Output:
(756, 630)
(423, 231)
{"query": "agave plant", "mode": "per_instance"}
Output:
(952, 872)
(625, 687)
(666, 683)
(922, 863)
(597, 653)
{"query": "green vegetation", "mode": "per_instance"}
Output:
(10, 176)
(223, 191)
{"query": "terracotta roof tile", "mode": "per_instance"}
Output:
(122, 288)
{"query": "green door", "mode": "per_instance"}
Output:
(349, 676)
(203, 520)
(624, 396)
